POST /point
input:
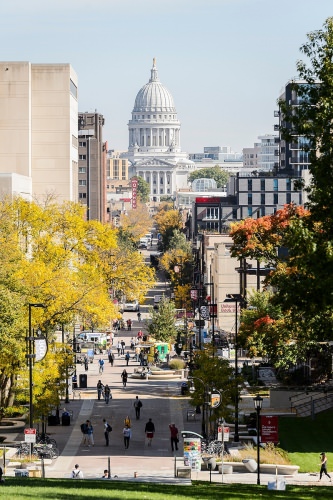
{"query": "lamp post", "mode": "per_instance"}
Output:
(258, 405)
(30, 357)
(66, 361)
(212, 313)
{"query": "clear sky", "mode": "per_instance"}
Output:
(224, 61)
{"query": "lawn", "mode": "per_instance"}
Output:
(64, 489)
(304, 439)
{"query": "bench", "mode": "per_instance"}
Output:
(191, 415)
(184, 471)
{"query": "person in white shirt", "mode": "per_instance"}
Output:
(77, 473)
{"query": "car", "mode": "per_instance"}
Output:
(131, 305)
(143, 245)
(157, 300)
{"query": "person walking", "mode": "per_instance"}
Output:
(124, 377)
(111, 358)
(107, 430)
(150, 431)
(139, 316)
(90, 434)
(107, 394)
(127, 433)
(323, 466)
(127, 421)
(137, 405)
(84, 430)
(109, 354)
(101, 365)
(77, 473)
(122, 347)
(119, 347)
(99, 389)
(85, 362)
(127, 357)
(173, 436)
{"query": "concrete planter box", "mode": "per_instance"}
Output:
(227, 469)
(286, 470)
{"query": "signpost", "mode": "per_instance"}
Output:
(30, 435)
(223, 435)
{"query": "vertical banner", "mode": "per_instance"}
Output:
(269, 429)
(192, 453)
(134, 192)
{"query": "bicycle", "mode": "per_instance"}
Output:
(46, 451)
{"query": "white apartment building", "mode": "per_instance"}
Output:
(39, 130)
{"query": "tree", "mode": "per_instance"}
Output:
(135, 223)
(217, 173)
(167, 222)
(162, 322)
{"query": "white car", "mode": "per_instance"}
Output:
(131, 305)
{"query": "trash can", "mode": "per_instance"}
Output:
(52, 420)
(83, 381)
(184, 388)
(65, 419)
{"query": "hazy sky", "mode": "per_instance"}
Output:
(224, 61)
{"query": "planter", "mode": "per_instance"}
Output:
(250, 464)
(227, 469)
(35, 473)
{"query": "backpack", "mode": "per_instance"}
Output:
(101, 362)
(109, 428)
(83, 428)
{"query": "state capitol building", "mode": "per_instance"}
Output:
(154, 150)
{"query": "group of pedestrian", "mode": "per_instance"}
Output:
(87, 433)
(103, 391)
(121, 347)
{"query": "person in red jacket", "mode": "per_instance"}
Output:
(173, 436)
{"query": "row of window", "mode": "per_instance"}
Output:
(137, 117)
(263, 185)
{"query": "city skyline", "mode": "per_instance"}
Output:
(224, 61)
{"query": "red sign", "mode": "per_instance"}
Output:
(208, 200)
(134, 192)
(29, 431)
(269, 429)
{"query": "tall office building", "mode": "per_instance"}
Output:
(92, 165)
(38, 130)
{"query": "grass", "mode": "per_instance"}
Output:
(66, 489)
(304, 439)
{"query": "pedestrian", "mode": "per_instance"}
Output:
(122, 347)
(124, 377)
(137, 405)
(109, 354)
(127, 421)
(137, 353)
(77, 473)
(84, 430)
(106, 474)
(127, 357)
(85, 362)
(107, 430)
(173, 436)
(127, 433)
(90, 434)
(139, 316)
(150, 430)
(107, 394)
(132, 344)
(119, 347)
(101, 365)
(129, 324)
(323, 468)
(112, 358)
(140, 335)
(99, 389)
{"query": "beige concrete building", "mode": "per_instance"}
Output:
(39, 130)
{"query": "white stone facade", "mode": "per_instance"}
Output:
(154, 140)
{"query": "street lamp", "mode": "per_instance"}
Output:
(212, 313)
(258, 405)
(30, 357)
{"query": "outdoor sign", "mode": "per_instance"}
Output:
(223, 433)
(215, 400)
(134, 192)
(204, 312)
(269, 429)
(40, 348)
(194, 294)
(30, 435)
(192, 453)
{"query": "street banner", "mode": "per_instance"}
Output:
(40, 348)
(215, 400)
(269, 429)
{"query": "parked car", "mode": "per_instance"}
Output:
(157, 300)
(131, 305)
(143, 245)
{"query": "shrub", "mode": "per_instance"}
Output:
(14, 411)
(268, 455)
(176, 364)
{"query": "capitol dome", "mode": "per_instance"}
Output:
(154, 97)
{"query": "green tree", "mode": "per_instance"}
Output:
(143, 189)
(217, 173)
(161, 325)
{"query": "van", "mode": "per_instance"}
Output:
(157, 300)
(96, 337)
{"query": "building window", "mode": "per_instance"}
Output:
(154, 116)
(168, 179)
(262, 211)
(249, 199)
(212, 213)
(82, 196)
(149, 116)
(275, 184)
(249, 211)
(288, 199)
(288, 185)
(234, 213)
(82, 144)
(160, 117)
(161, 180)
(82, 157)
(82, 170)
(82, 182)
(73, 89)
(262, 199)
(249, 185)
(276, 199)
(154, 140)
(262, 185)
